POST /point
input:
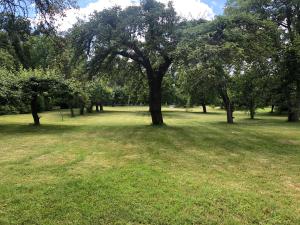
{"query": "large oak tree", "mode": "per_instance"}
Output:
(146, 34)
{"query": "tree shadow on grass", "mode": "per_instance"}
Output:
(206, 114)
(29, 128)
(215, 136)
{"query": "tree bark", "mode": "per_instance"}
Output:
(72, 112)
(155, 97)
(252, 113)
(294, 107)
(97, 108)
(90, 109)
(101, 107)
(204, 108)
(228, 106)
(293, 78)
(34, 110)
(252, 109)
(82, 110)
(272, 109)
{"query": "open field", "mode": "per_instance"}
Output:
(113, 168)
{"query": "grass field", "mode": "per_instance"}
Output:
(113, 168)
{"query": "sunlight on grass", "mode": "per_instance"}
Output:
(113, 168)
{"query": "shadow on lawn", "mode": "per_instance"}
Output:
(207, 114)
(207, 136)
(29, 128)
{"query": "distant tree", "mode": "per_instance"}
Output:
(211, 49)
(145, 34)
(197, 85)
(99, 93)
(223, 47)
(75, 95)
(285, 15)
(251, 89)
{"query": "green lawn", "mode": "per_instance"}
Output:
(113, 168)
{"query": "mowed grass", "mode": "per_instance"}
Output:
(114, 168)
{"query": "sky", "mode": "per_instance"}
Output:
(189, 9)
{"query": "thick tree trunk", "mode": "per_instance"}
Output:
(204, 108)
(101, 107)
(34, 110)
(229, 113)
(228, 106)
(294, 79)
(155, 96)
(97, 108)
(293, 116)
(294, 108)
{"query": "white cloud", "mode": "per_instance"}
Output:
(189, 9)
(192, 9)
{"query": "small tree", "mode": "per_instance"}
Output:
(98, 93)
(250, 89)
(35, 84)
(75, 95)
(198, 86)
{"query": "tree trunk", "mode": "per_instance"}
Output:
(97, 108)
(155, 96)
(82, 110)
(294, 82)
(252, 109)
(228, 106)
(101, 107)
(293, 116)
(90, 109)
(294, 107)
(272, 109)
(204, 108)
(34, 110)
(252, 113)
(72, 112)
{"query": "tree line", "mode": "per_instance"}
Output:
(246, 59)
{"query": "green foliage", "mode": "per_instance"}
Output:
(285, 16)
(6, 60)
(74, 93)
(45, 85)
(251, 88)
(146, 34)
(46, 11)
(9, 91)
(15, 33)
(98, 92)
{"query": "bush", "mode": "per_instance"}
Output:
(8, 109)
